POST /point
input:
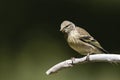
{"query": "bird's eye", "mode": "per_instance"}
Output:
(66, 26)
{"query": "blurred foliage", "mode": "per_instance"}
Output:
(30, 40)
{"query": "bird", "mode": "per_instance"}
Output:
(80, 40)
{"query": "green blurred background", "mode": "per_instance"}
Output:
(31, 43)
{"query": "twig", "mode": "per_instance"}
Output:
(92, 58)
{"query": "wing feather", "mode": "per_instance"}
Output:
(92, 41)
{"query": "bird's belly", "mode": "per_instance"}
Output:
(83, 49)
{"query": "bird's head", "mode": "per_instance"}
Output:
(67, 26)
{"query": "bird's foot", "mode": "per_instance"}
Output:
(87, 57)
(73, 59)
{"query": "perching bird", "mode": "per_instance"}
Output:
(80, 40)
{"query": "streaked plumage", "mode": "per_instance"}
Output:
(80, 40)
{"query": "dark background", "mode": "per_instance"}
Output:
(30, 40)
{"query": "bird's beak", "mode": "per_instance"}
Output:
(60, 29)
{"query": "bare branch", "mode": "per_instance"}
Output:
(92, 58)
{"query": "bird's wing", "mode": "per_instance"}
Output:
(82, 31)
(90, 40)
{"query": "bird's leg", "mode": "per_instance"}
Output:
(87, 57)
(73, 59)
